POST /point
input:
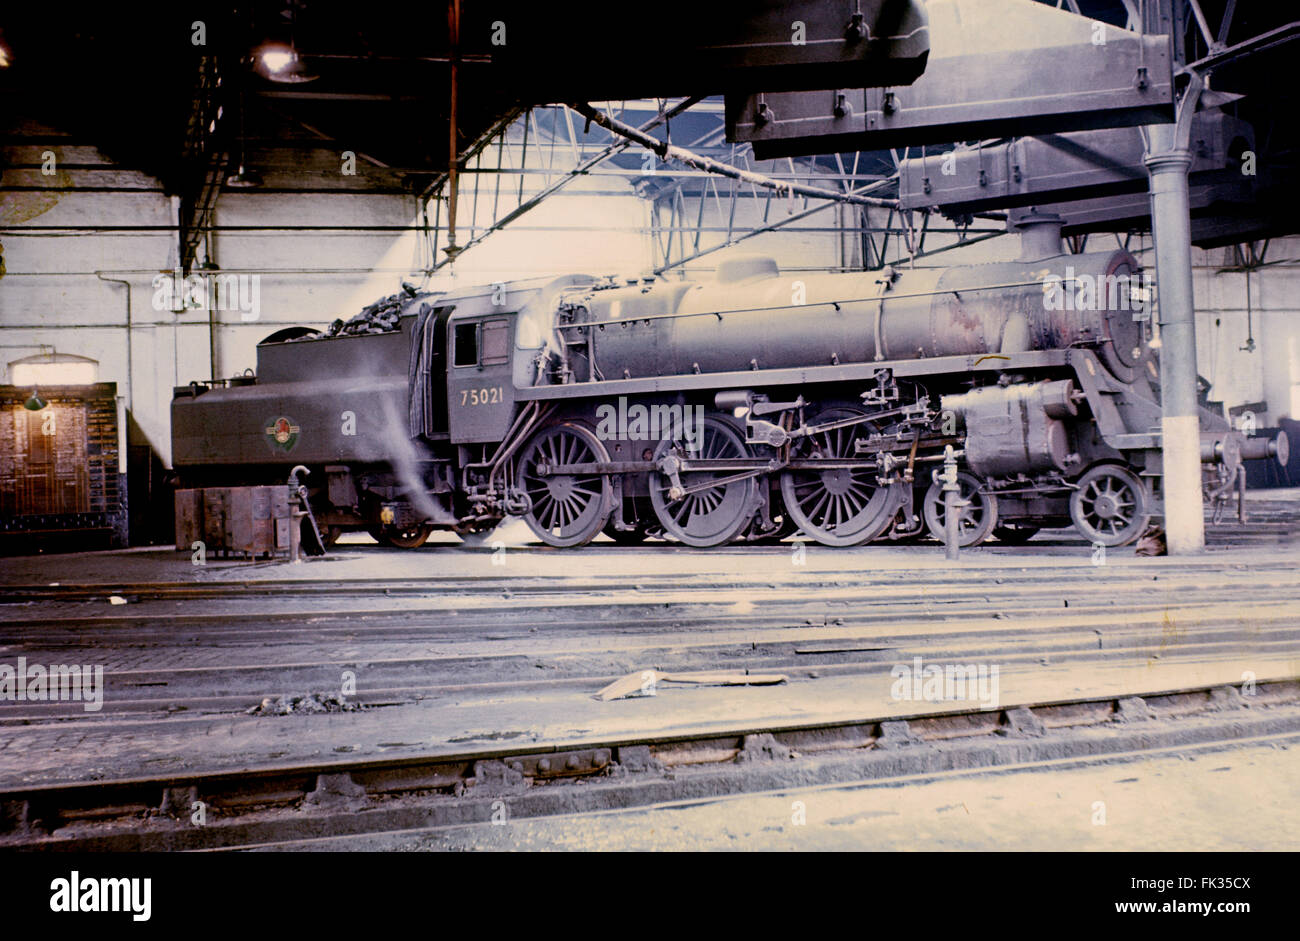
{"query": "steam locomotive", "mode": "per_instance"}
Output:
(747, 408)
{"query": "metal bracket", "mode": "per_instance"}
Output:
(315, 545)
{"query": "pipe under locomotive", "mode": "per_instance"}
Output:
(747, 408)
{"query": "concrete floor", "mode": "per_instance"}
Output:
(535, 680)
(1246, 578)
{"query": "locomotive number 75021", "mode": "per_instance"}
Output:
(492, 395)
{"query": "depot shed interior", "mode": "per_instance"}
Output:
(304, 148)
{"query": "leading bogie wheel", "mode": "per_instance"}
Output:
(977, 518)
(1110, 505)
(568, 509)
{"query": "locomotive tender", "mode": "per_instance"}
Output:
(746, 408)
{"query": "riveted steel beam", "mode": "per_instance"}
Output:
(1061, 167)
(994, 70)
(582, 49)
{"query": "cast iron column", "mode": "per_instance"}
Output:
(1167, 164)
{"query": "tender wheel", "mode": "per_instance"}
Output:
(568, 509)
(838, 507)
(409, 539)
(1015, 534)
(706, 515)
(977, 520)
(1110, 506)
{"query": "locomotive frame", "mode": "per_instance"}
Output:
(483, 405)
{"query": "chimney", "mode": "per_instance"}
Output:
(1040, 234)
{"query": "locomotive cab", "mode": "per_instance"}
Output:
(480, 380)
(497, 339)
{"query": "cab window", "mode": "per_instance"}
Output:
(465, 345)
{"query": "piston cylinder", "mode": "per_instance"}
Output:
(1016, 429)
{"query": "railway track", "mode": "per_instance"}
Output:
(578, 635)
(165, 692)
(705, 570)
(81, 606)
(288, 804)
(474, 683)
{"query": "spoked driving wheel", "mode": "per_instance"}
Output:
(1110, 506)
(977, 520)
(714, 505)
(838, 506)
(568, 509)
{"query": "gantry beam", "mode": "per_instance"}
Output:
(996, 69)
